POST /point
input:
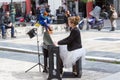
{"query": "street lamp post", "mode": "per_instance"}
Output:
(12, 12)
(76, 6)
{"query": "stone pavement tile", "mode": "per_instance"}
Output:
(14, 65)
(115, 76)
(15, 70)
(19, 46)
(96, 43)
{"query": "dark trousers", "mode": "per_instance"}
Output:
(4, 28)
(45, 54)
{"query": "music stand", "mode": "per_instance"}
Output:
(34, 32)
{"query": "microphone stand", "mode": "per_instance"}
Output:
(39, 64)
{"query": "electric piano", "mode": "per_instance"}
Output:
(51, 52)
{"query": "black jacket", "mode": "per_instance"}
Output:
(6, 20)
(73, 41)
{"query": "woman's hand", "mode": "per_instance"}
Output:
(56, 43)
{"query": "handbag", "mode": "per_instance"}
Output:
(114, 15)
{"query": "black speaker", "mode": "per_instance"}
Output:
(32, 32)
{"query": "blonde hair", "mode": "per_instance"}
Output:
(74, 20)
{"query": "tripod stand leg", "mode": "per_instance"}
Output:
(32, 67)
(35, 66)
(34, 31)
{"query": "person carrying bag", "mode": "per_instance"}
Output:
(113, 17)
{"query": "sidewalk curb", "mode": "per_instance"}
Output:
(103, 59)
(92, 58)
(114, 76)
(18, 50)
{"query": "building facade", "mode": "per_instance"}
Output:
(80, 7)
(83, 7)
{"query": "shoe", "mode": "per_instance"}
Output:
(75, 74)
(112, 29)
(45, 71)
(3, 37)
(13, 36)
(75, 70)
(99, 28)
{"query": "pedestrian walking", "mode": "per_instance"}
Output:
(113, 17)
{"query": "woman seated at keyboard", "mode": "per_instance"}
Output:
(71, 47)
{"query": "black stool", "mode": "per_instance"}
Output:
(78, 68)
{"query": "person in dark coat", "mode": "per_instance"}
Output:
(73, 41)
(73, 50)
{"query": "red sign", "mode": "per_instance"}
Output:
(89, 7)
